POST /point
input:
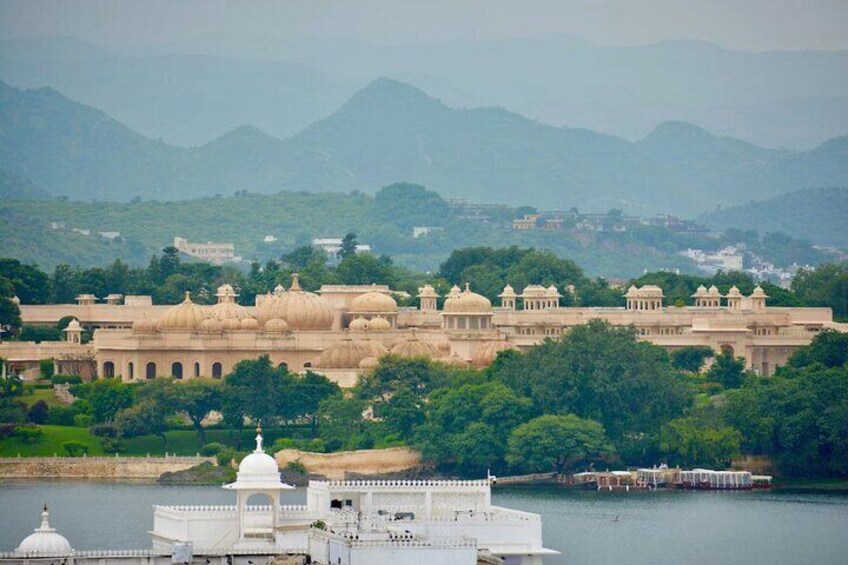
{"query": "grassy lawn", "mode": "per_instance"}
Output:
(180, 442)
(51, 443)
(40, 394)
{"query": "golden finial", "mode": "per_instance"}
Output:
(295, 286)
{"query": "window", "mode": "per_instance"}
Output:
(217, 370)
(196, 369)
(150, 370)
(130, 370)
(108, 370)
(177, 370)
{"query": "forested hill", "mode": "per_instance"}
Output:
(819, 215)
(390, 132)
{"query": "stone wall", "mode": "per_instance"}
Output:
(364, 462)
(94, 467)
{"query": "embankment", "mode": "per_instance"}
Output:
(94, 467)
(363, 462)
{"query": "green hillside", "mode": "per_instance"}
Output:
(389, 132)
(819, 215)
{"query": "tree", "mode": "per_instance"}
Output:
(727, 370)
(829, 347)
(46, 368)
(10, 313)
(691, 358)
(827, 285)
(142, 419)
(689, 442)
(107, 397)
(38, 412)
(74, 448)
(256, 390)
(348, 248)
(197, 398)
(306, 396)
(554, 442)
(340, 420)
(402, 413)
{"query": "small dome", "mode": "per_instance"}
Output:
(369, 363)
(427, 291)
(45, 541)
(211, 325)
(702, 291)
(359, 325)
(552, 291)
(651, 290)
(347, 353)
(231, 324)
(380, 324)
(759, 292)
(251, 324)
(713, 291)
(258, 470)
(373, 302)
(300, 309)
(276, 326)
(508, 292)
(184, 316)
(74, 324)
(144, 326)
(486, 355)
(454, 292)
(413, 347)
(468, 302)
(17, 301)
(734, 292)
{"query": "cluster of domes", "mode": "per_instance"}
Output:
(348, 353)
(414, 347)
(466, 302)
(227, 308)
(300, 309)
(184, 316)
(377, 323)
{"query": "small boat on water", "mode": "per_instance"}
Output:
(587, 480)
(761, 481)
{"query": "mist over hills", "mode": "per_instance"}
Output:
(390, 131)
(793, 99)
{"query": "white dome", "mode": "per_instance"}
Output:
(45, 541)
(258, 470)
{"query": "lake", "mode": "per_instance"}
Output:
(640, 528)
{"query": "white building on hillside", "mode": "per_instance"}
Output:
(215, 253)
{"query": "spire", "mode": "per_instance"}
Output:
(45, 521)
(295, 286)
(467, 287)
(187, 297)
(258, 439)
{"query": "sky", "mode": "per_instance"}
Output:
(259, 27)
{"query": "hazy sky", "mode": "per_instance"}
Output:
(251, 26)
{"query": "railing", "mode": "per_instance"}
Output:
(405, 484)
(119, 459)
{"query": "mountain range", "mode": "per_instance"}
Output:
(187, 94)
(390, 131)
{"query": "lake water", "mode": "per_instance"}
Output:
(684, 528)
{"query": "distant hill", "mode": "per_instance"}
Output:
(390, 131)
(13, 187)
(819, 215)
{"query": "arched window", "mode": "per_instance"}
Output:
(727, 350)
(196, 369)
(177, 370)
(130, 370)
(150, 370)
(217, 370)
(307, 365)
(108, 370)
(283, 365)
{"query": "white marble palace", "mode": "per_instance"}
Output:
(342, 523)
(341, 331)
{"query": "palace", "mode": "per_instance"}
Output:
(341, 331)
(400, 522)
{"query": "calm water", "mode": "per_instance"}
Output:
(769, 528)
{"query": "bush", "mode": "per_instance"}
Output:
(66, 380)
(39, 334)
(82, 420)
(38, 412)
(212, 449)
(12, 411)
(334, 445)
(225, 457)
(102, 430)
(46, 367)
(296, 467)
(61, 416)
(7, 430)
(112, 445)
(29, 434)
(75, 448)
(284, 443)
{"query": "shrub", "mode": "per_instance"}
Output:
(212, 449)
(225, 457)
(112, 445)
(333, 445)
(296, 467)
(46, 367)
(12, 411)
(66, 380)
(38, 412)
(61, 415)
(75, 448)
(102, 430)
(7, 430)
(29, 434)
(284, 443)
(39, 334)
(82, 420)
